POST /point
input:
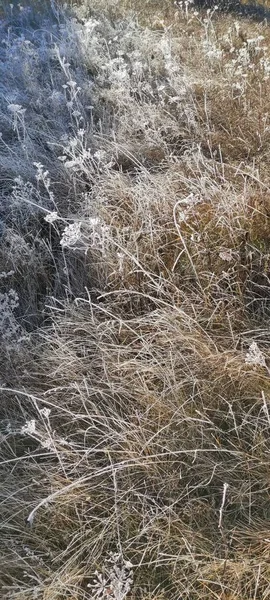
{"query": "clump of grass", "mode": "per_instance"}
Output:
(135, 419)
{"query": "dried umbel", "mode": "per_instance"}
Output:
(115, 580)
(255, 356)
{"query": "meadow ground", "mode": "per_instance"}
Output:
(135, 302)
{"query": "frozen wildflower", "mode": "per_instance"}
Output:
(72, 84)
(226, 255)
(5, 274)
(71, 235)
(116, 580)
(254, 356)
(91, 24)
(16, 109)
(41, 174)
(47, 443)
(94, 221)
(51, 217)
(77, 114)
(29, 428)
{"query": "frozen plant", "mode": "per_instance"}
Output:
(22, 191)
(255, 356)
(45, 437)
(51, 217)
(43, 176)
(226, 255)
(5, 274)
(29, 428)
(77, 156)
(71, 235)
(116, 580)
(71, 90)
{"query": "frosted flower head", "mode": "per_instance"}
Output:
(16, 109)
(29, 428)
(71, 83)
(116, 580)
(254, 356)
(51, 217)
(94, 221)
(41, 173)
(71, 235)
(226, 255)
(91, 24)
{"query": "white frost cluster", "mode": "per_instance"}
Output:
(50, 217)
(116, 580)
(16, 109)
(29, 428)
(255, 356)
(226, 255)
(71, 235)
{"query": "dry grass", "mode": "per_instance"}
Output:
(135, 412)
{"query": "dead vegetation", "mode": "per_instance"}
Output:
(135, 413)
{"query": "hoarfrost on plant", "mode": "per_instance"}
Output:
(51, 217)
(115, 581)
(29, 428)
(71, 235)
(254, 356)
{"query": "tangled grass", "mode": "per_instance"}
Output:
(135, 417)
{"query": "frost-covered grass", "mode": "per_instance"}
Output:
(134, 303)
